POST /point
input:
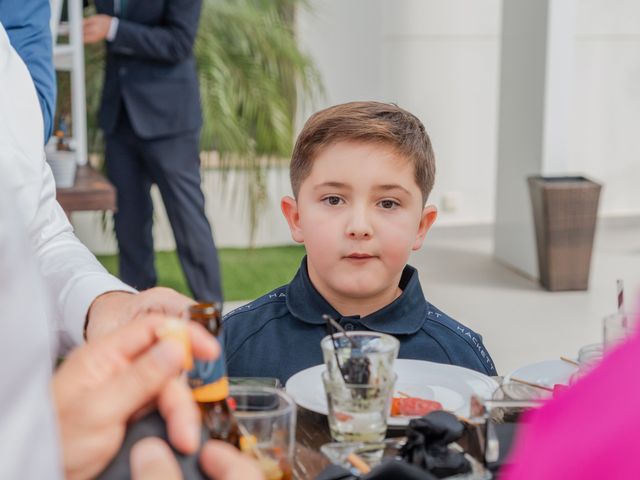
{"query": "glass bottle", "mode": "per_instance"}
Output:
(209, 381)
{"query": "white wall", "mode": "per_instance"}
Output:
(606, 111)
(536, 80)
(440, 59)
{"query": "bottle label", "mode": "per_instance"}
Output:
(208, 380)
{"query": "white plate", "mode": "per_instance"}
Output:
(450, 385)
(547, 373)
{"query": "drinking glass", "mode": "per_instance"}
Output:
(589, 356)
(358, 412)
(267, 420)
(616, 327)
(342, 351)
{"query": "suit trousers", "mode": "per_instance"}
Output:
(173, 164)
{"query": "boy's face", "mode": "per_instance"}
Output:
(360, 214)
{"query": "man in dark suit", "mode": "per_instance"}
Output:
(150, 113)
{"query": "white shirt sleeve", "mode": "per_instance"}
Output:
(72, 275)
(28, 434)
(113, 29)
(27, 419)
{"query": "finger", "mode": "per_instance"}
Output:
(194, 337)
(106, 356)
(152, 459)
(85, 368)
(162, 300)
(203, 344)
(96, 362)
(133, 338)
(129, 390)
(181, 414)
(223, 462)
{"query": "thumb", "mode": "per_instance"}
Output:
(152, 459)
(224, 462)
(142, 381)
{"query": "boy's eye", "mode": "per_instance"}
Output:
(332, 200)
(388, 204)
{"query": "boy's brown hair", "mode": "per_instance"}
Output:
(385, 123)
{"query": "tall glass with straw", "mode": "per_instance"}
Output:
(358, 382)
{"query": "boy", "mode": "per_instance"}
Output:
(361, 173)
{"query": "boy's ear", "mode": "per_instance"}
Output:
(290, 211)
(429, 214)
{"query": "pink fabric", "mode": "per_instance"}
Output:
(591, 430)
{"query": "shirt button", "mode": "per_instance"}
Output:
(348, 326)
(122, 71)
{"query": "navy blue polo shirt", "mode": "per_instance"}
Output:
(279, 334)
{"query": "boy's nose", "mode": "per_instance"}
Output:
(359, 227)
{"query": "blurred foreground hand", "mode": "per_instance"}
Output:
(151, 459)
(105, 383)
(114, 309)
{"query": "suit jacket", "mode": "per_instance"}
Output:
(150, 67)
(27, 24)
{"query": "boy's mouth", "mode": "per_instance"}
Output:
(359, 256)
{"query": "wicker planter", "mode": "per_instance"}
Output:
(564, 211)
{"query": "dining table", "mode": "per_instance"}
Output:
(312, 431)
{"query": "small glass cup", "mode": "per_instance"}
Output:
(358, 413)
(378, 349)
(589, 356)
(616, 327)
(267, 418)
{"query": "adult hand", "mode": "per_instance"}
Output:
(151, 459)
(113, 309)
(95, 28)
(103, 384)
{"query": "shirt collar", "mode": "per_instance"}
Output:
(404, 316)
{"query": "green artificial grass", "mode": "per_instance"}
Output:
(246, 273)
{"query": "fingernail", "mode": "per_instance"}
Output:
(169, 353)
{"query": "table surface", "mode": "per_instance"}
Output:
(90, 191)
(312, 431)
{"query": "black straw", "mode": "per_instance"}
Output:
(338, 327)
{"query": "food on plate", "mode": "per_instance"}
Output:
(413, 406)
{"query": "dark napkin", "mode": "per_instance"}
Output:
(427, 446)
(151, 425)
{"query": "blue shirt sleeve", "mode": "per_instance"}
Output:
(27, 24)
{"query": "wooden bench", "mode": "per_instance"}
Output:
(91, 191)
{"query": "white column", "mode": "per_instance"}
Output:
(78, 98)
(70, 57)
(536, 74)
